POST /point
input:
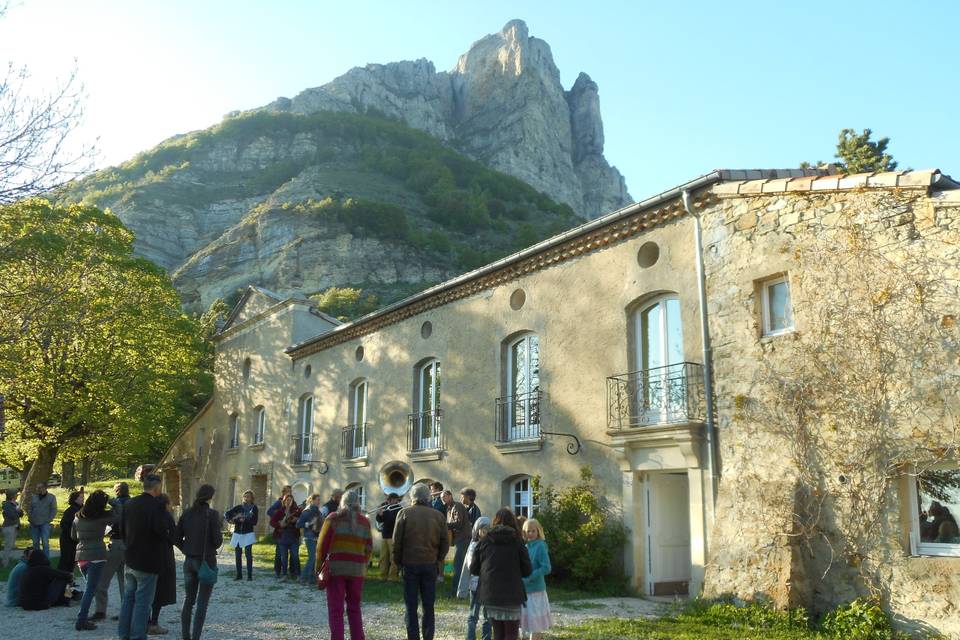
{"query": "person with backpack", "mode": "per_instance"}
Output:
(311, 522)
(244, 517)
(198, 537)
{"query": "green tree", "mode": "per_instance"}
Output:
(96, 351)
(857, 153)
(346, 303)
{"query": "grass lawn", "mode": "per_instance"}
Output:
(678, 627)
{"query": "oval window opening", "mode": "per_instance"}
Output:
(648, 255)
(517, 299)
(426, 329)
(359, 354)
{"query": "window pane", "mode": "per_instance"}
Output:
(518, 358)
(360, 403)
(938, 493)
(651, 346)
(674, 332)
(779, 311)
(534, 374)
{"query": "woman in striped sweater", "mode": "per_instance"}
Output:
(346, 543)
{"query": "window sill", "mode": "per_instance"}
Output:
(425, 456)
(352, 463)
(936, 551)
(256, 447)
(767, 337)
(232, 451)
(302, 466)
(519, 446)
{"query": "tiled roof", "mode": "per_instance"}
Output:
(889, 179)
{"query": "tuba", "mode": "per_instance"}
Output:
(395, 477)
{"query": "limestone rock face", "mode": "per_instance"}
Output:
(502, 104)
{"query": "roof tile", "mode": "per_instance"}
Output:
(826, 183)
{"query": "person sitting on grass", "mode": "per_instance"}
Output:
(16, 578)
(43, 586)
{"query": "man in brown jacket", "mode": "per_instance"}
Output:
(458, 524)
(419, 546)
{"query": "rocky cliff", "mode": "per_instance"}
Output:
(502, 104)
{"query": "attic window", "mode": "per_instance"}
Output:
(307, 371)
(246, 369)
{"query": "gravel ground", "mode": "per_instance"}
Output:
(266, 609)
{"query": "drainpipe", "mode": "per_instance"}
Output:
(707, 351)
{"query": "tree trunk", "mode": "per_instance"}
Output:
(39, 473)
(85, 471)
(69, 475)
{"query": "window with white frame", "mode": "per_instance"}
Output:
(935, 509)
(355, 445)
(234, 441)
(521, 497)
(427, 421)
(356, 486)
(776, 308)
(521, 412)
(303, 437)
(259, 425)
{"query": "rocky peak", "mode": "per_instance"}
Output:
(503, 104)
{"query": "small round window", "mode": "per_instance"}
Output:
(307, 371)
(517, 299)
(358, 354)
(648, 255)
(426, 330)
(246, 369)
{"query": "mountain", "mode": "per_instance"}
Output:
(390, 178)
(502, 104)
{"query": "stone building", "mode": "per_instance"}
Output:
(590, 348)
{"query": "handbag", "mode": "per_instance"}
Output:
(323, 576)
(206, 573)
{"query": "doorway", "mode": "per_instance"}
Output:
(258, 484)
(667, 539)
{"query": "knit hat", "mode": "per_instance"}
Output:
(205, 493)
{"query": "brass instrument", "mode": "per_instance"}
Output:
(395, 477)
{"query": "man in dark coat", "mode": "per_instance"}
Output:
(166, 593)
(144, 530)
(68, 547)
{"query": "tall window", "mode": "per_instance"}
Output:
(776, 309)
(234, 431)
(356, 444)
(660, 384)
(523, 383)
(259, 425)
(427, 432)
(303, 437)
(233, 492)
(521, 497)
(935, 502)
(201, 438)
(356, 486)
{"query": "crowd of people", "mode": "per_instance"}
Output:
(498, 564)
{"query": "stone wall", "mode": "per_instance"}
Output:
(758, 543)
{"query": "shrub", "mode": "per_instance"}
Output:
(862, 619)
(751, 615)
(346, 303)
(583, 534)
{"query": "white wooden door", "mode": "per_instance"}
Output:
(668, 529)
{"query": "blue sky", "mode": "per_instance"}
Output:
(685, 87)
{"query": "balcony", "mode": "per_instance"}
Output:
(353, 445)
(425, 438)
(670, 395)
(302, 453)
(518, 422)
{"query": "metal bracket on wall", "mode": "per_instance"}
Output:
(573, 448)
(323, 469)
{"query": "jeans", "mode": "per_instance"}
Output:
(41, 533)
(474, 616)
(92, 576)
(309, 572)
(289, 558)
(349, 589)
(458, 558)
(113, 567)
(419, 582)
(239, 552)
(194, 592)
(9, 544)
(139, 588)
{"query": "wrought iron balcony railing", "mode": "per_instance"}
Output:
(424, 432)
(353, 441)
(518, 417)
(664, 395)
(302, 452)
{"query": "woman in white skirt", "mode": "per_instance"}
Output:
(535, 616)
(244, 519)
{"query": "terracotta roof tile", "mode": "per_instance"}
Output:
(779, 182)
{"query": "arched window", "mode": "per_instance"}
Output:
(356, 486)
(234, 440)
(425, 432)
(303, 438)
(259, 424)
(661, 379)
(521, 496)
(355, 434)
(519, 409)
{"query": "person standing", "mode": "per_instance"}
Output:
(199, 537)
(468, 497)
(310, 521)
(420, 544)
(87, 531)
(436, 494)
(387, 514)
(469, 583)
(11, 523)
(346, 543)
(115, 552)
(285, 532)
(458, 524)
(332, 504)
(535, 617)
(68, 548)
(501, 561)
(272, 509)
(244, 517)
(43, 509)
(166, 592)
(144, 531)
